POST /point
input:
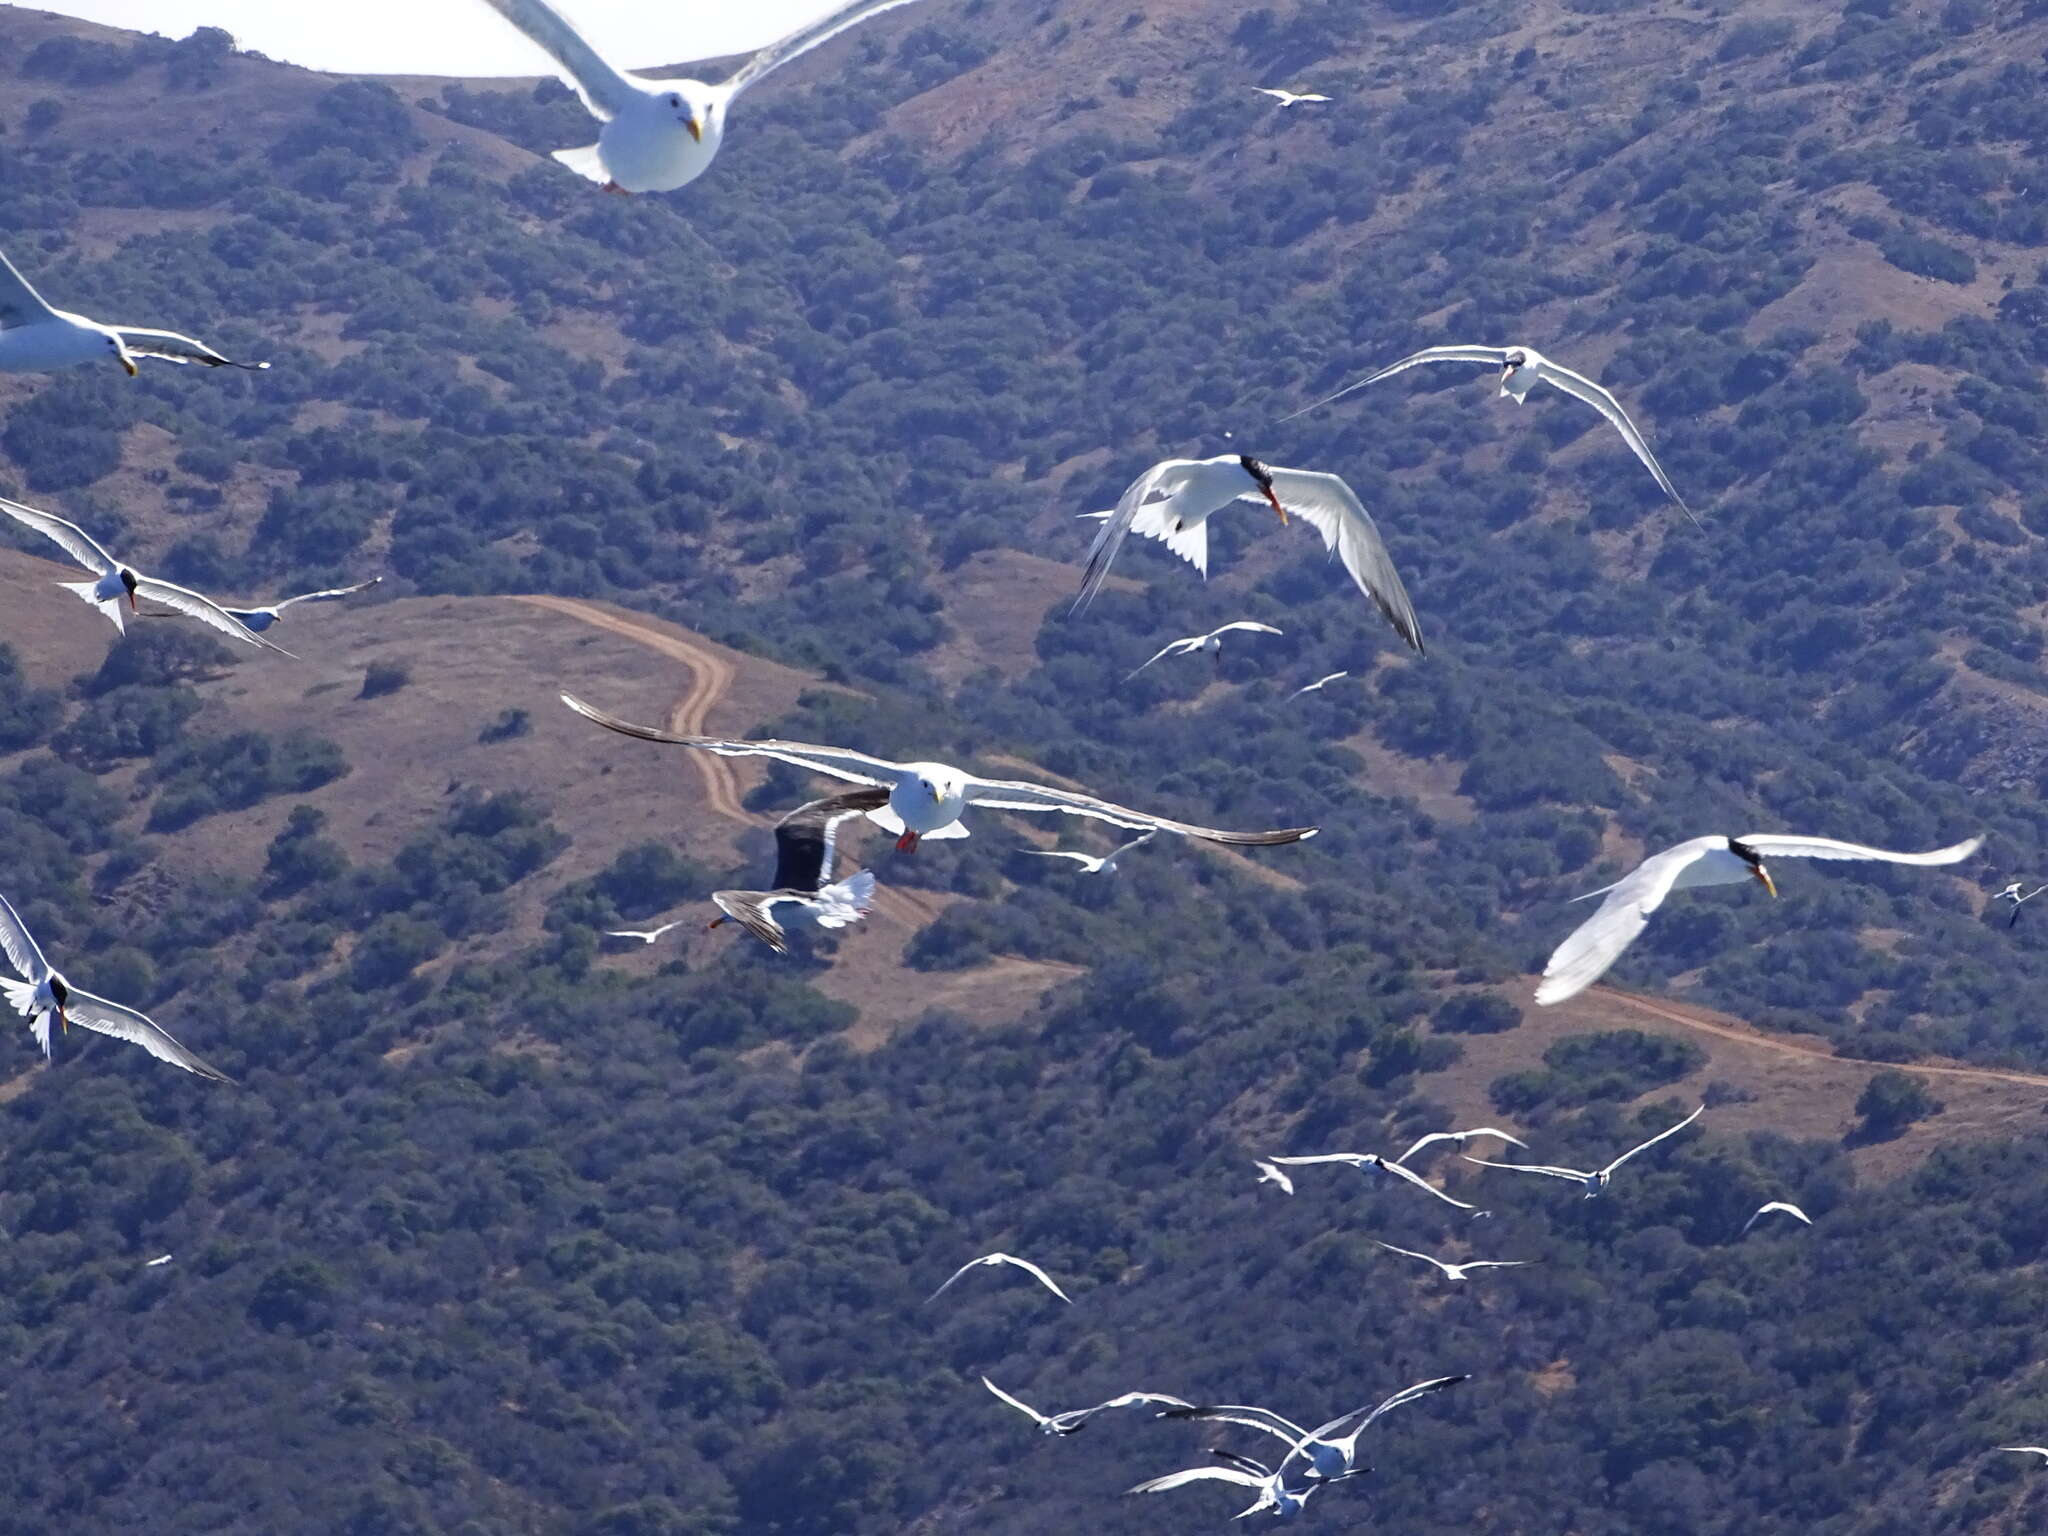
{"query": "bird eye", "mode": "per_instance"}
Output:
(675, 101)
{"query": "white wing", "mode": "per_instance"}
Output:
(97, 1013)
(1272, 1173)
(2024, 1450)
(170, 347)
(1162, 478)
(1245, 624)
(1412, 1254)
(1493, 355)
(604, 90)
(1355, 1159)
(74, 540)
(1137, 842)
(1556, 1173)
(1267, 90)
(1022, 1407)
(1579, 387)
(329, 595)
(1598, 942)
(1321, 682)
(1348, 1427)
(835, 762)
(1776, 1205)
(1781, 845)
(1036, 1273)
(1013, 795)
(20, 304)
(1461, 1137)
(1421, 1183)
(198, 606)
(1671, 1130)
(1328, 505)
(1243, 1415)
(1086, 861)
(1171, 648)
(23, 953)
(804, 39)
(1200, 1475)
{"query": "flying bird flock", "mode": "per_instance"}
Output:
(658, 135)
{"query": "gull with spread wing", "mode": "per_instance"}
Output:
(1274, 1495)
(1090, 865)
(43, 994)
(1288, 98)
(2013, 894)
(1598, 942)
(1325, 1453)
(1595, 1181)
(1776, 1205)
(114, 579)
(989, 1260)
(1074, 1420)
(1521, 370)
(34, 337)
(258, 620)
(926, 799)
(1319, 684)
(806, 855)
(659, 135)
(1457, 1271)
(1461, 1137)
(1212, 642)
(644, 935)
(1174, 500)
(1363, 1161)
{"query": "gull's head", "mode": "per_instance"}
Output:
(1262, 477)
(691, 109)
(61, 994)
(119, 348)
(128, 582)
(1755, 862)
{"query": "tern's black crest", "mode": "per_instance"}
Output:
(1747, 854)
(58, 990)
(1256, 470)
(128, 580)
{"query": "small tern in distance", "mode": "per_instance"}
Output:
(1595, 1181)
(2013, 894)
(1461, 1137)
(1074, 1420)
(1776, 1205)
(1273, 1173)
(1288, 98)
(1212, 642)
(1457, 1271)
(260, 619)
(644, 935)
(1090, 865)
(1319, 684)
(1363, 1161)
(989, 1259)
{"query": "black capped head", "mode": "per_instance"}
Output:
(1259, 473)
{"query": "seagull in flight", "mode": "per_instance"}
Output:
(1288, 98)
(1273, 1173)
(806, 853)
(1074, 1420)
(1284, 1501)
(257, 620)
(644, 935)
(1323, 1454)
(1318, 685)
(1090, 865)
(990, 1259)
(43, 994)
(1365, 1160)
(1212, 642)
(2028, 1450)
(160, 1259)
(1521, 370)
(1776, 1205)
(925, 799)
(114, 579)
(1457, 1271)
(1174, 500)
(1461, 1137)
(2013, 894)
(659, 135)
(34, 337)
(1595, 1181)
(1598, 942)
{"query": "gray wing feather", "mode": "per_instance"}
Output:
(96, 1013)
(837, 762)
(605, 91)
(804, 39)
(74, 540)
(20, 304)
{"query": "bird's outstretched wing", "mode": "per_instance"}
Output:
(1083, 859)
(20, 304)
(1579, 387)
(1171, 648)
(1410, 1253)
(1199, 1475)
(1245, 624)
(805, 38)
(1669, 1130)
(835, 762)
(754, 911)
(1495, 356)
(1598, 942)
(1040, 1419)
(807, 839)
(1784, 845)
(605, 91)
(197, 605)
(329, 595)
(1317, 685)
(1243, 1415)
(1555, 1173)
(71, 538)
(1776, 1205)
(1011, 795)
(170, 347)
(1461, 1137)
(1344, 1430)
(1333, 509)
(1162, 478)
(107, 1018)
(23, 953)
(1354, 1159)
(1420, 1182)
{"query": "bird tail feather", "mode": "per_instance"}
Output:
(88, 591)
(21, 995)
(846, 902)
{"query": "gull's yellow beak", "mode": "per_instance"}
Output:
(696, 129)
(937, 793)
(1764, 879)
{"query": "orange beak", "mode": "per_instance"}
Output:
(63, 1021)
(696, 129)
(1763, 877)
(1275, 500)
(132, 369)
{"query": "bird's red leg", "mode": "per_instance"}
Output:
(614, 187)
(907, 843)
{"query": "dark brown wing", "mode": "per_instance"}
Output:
(807, 839)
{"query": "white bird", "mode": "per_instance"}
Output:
(659, 135)
(1243, 1472)
(1090, 865)
(114, 579)
(1319, 684)
(989, 1259)
(644, 935)
(926, 799)
(34, 337)
(1273, 1173)
(1074, 1420)
(1212, 642)
(2028, 1450)
(1598, 942)
(260, 619)
(1595, 1181)
(1457, 1271)
(1288, 98)
(1521, 370)
(1174, 500)
(806, 858)
(2012, 894)
(162, 1258)
(43, 994)
(1365, 1160)
(1323, 1454)
(1461, 1137)
(1776, 1205)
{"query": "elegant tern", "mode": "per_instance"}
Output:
(1521, 370)
(1273, 1173)
(34, 337)
(2013, 894)
(1776, 1205)
(1319, 684)
(659, 135)
(1595, 1181)
(260, 619)
(1461, 1137)
(1074, 1420)
(644, 935)
(926, 799)
(806, 857)
(1288, 98)
(43, 994)
(1457, 1271)
(1598, 942)
(1212, 642)
(1325, 1453)
(1090, 865)
(1273, 1494)
(988, 1260)
(1363, 1161)
(1174, 500)
(115, 580)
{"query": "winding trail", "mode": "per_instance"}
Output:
(1812, 1053)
